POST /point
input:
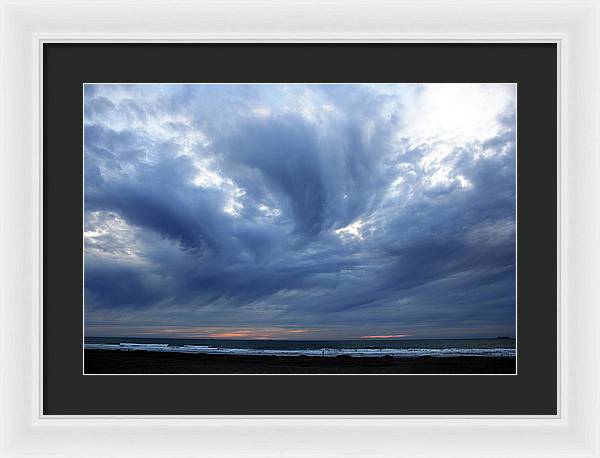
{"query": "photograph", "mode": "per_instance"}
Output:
(300, 228)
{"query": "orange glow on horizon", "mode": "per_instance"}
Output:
(258, 333)
(225, 335)
(255, 333)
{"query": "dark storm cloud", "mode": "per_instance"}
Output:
(323, 207)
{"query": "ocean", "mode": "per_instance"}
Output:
(499, 347)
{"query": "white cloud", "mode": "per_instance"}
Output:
(459, 113)
(353, 230)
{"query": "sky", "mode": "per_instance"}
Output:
(300, 211)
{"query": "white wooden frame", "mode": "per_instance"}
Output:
(574, 25)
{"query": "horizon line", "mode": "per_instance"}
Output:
(305, 340)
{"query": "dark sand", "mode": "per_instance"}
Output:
(144, 362)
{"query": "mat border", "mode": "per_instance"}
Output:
(572, 25)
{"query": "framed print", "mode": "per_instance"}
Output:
(346, 238)
(259, 232)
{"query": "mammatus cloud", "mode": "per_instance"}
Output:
(300, 211)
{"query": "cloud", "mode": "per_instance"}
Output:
(339, 210)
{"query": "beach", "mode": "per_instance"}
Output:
(149, 362)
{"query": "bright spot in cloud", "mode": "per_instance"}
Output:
(270, 212)
(205, 176)
(463, 112)
(353, 230)
(234, 206)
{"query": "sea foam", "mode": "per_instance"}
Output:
(499, 352)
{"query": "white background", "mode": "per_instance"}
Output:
(574, 25)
